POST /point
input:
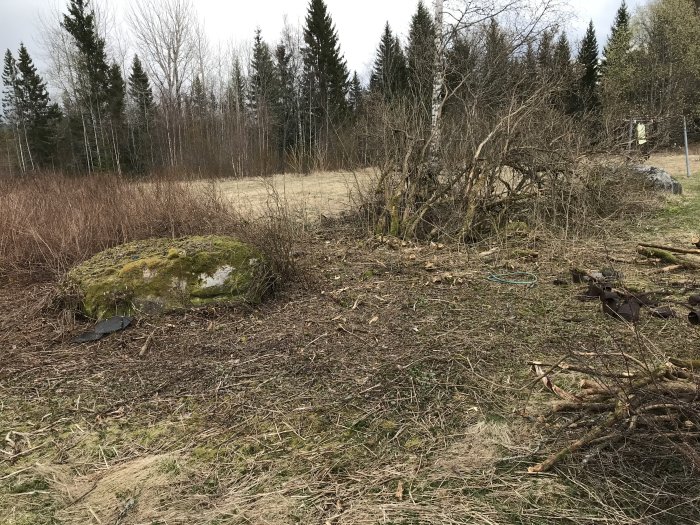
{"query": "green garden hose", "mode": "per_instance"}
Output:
(514, 278)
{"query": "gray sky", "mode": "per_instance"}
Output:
(359, 22)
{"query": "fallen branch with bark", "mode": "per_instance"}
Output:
(666, 256)
(671, 249)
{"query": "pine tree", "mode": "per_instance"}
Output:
(325, 72)
(421, 59)
(389, 75)
(588, 99)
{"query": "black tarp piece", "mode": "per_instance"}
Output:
(103, 328)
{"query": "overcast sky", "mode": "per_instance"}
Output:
(359, 22)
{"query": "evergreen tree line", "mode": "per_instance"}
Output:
(296, 106)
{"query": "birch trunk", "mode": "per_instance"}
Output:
(438, 92)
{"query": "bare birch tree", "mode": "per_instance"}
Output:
(165, 33)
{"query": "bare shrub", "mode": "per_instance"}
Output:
(508, 137)
(524, 161)
(49, 223)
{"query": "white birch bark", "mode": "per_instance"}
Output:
(438, 89)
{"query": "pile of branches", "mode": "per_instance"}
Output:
(660, 405)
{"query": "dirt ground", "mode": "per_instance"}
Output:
(390, 385)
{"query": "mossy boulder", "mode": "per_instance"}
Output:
(163, 275)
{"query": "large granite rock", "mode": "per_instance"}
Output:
(162, 275)
(659, 179)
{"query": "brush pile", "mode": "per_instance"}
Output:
(660, 405)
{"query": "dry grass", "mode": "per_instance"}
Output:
(318, 194)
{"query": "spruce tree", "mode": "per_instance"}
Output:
(140, 89)
(264, 91)
(389, 73)
(95, 102)
(42, 116)
(80, 23)
(562, 53)
(617, 70)
(325, 69)
(545, 53)
(116, 96)
(9, 92)
(263, 101)
(461, 63)
(237, 91)
(198, 97)
(29, 111)
(588, 99)
(666, 74)
(356, 95)
(530, 61)
(140, 139)
(564, 74)
(421, 59)
(286, 98)
(496, 71)
(621, 25)
(12, 112)
(620, 40)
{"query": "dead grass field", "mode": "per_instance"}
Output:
(310, 196)
(391, 386)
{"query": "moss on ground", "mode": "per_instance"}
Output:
(161, 275)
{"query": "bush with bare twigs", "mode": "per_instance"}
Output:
(50, 223)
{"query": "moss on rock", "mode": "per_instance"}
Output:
(162, 275)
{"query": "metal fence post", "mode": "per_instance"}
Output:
(687, 152)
